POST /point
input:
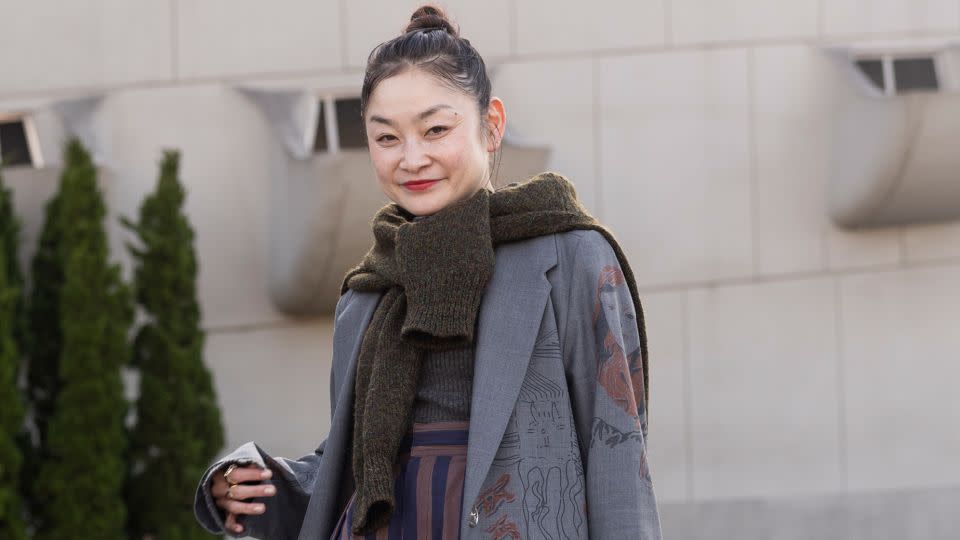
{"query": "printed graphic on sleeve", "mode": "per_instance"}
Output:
(619, 373)
(609, 436)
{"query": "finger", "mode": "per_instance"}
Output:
(219, 486)
(249, 473)
(241, 493)
(224, 502)
(231, 524)
(221, 502)
(238, 507)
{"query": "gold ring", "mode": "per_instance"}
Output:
(226, 474)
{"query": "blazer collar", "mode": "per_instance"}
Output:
(510, 315)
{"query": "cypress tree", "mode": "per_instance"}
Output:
(43, 344)
(12, 526)
(81, 476)
(10, 240)
(178, 430)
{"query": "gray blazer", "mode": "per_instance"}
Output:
(557, 444)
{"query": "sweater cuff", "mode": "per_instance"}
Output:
(374, 503)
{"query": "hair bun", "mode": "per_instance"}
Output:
(429, 16)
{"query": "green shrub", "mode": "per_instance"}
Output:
(80, 481)
(178, 430)
(12, 526)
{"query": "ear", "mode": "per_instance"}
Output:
(496, 123)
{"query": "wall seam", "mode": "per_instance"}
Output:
(342, 16)
(597, 140)
(667, 23)
(842, 442)
(902, 244)
(825, 245)
(174, 40)
(346, 69)
(821, 20)
(752, 149)
(280, 324)
(159, 84)
(866, 270)
(688, 396)
(514, 24)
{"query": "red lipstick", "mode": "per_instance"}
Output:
(419, 185)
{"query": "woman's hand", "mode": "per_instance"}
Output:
(232, 497)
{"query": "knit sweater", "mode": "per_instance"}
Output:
(445, 385)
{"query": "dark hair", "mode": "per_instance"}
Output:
(432, 43)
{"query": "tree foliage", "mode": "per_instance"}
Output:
(43, 341)
(80, 480)
(178, 430)
(12, 526)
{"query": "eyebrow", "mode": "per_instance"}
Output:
(420, 116)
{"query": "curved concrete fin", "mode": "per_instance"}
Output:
(894, 159)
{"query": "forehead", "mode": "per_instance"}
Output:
(405, 95)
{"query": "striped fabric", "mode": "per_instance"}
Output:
(428, 486)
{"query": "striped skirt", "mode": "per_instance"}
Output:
(428, 486)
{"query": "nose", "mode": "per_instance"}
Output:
(414, 156)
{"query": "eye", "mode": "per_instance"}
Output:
(383, 138)
(442, 128)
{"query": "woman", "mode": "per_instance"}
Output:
(489, 374)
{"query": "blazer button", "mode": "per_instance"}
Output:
(474, 516)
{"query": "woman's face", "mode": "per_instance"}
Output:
(425, 141)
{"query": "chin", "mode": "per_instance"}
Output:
(424, 209)
(423, 205)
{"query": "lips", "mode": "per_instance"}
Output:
(419, 185)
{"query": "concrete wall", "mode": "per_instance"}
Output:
(790, 358)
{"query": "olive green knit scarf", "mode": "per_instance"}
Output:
(433, 272)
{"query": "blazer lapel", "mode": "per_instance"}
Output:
(510, 315)
(335, 467)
